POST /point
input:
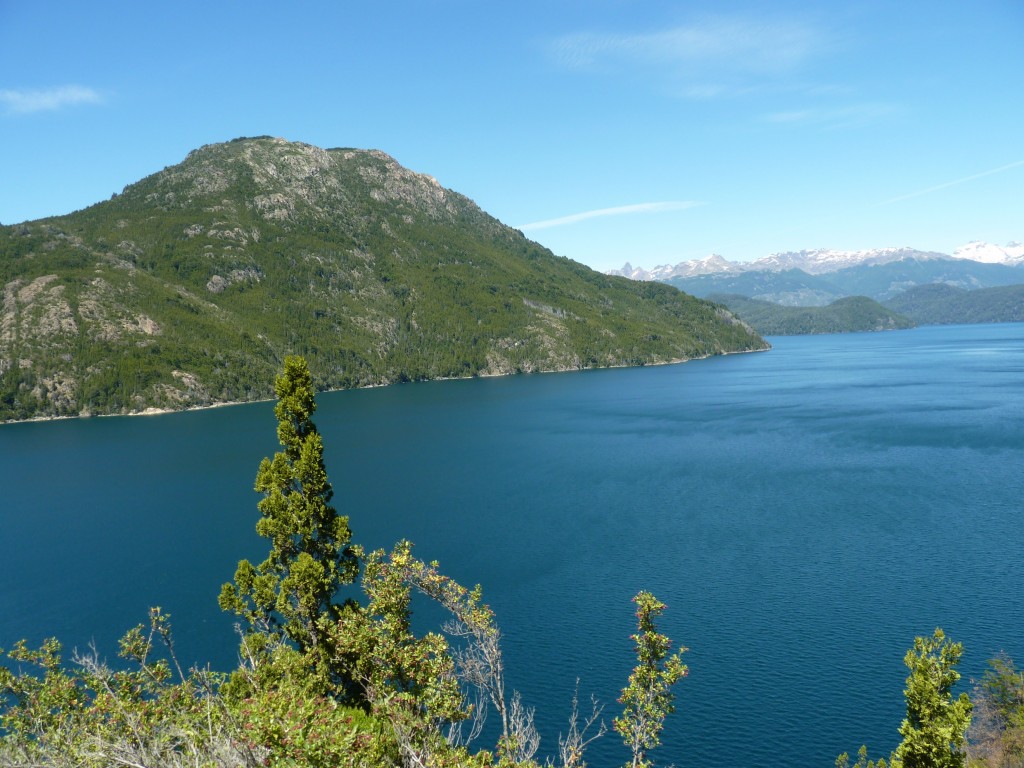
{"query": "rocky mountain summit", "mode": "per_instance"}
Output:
(291, 182)
(189, 288)
(712, 265)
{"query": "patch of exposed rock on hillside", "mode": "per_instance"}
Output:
(35, 310)
(395, 183)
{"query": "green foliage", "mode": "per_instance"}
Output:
(93, 715)
(302, 647)
(408, 681)
(843, 761)
(292, 592)
(648, 699)
(934, 731)
(288, 720)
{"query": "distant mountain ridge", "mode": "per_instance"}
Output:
(189, 288)
(1011, 254)
(817, 278)
(821, 261)
(979, 282)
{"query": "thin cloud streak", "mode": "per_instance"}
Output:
(726, 44)
(621, 210)
(26, 102)
(948, 184)
(841, 116)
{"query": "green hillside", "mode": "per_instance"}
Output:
(848, 315)
(943, 304)
(191, 286)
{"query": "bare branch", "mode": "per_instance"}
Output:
(522, 731)
(575, 742)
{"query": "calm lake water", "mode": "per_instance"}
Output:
(803, 512)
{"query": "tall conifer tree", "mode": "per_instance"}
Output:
(292, 592)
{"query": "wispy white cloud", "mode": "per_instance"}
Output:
(953, 183)
(28, 101)
(836, 116)
(622, 210)
(708, 56)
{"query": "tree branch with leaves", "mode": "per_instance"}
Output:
(648, 699)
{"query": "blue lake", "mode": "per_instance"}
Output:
(803, 512)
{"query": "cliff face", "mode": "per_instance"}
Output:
(189, 288)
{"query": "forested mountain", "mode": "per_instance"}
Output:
(879, 281)
(943, 304)
(191, 286)
(847, 315)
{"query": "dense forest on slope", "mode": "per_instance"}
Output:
(848, 315)
(191, 286)
(945, 304)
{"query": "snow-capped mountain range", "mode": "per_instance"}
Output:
(823, 260)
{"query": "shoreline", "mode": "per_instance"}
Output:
(154, 411)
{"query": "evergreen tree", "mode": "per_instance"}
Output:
(934, 731)
(291, 594)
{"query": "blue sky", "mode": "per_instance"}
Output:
(607, 130)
